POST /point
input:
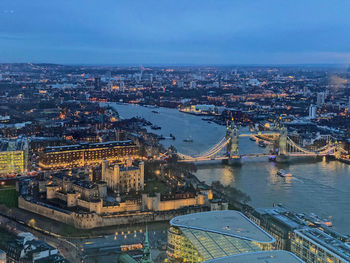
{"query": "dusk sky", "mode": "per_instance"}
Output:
(175, 32)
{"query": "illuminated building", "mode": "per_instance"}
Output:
(87, 154)
(279, 223)
(320, 98)
(312, 111)
(208, 235)
(2, 256)
(13, 156)
(193, 85)
(123, 179)
(275, 256)
(314, 245)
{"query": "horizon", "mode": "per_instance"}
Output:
(337, 65)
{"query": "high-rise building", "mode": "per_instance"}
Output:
(312, 111)
(193, 85)
(97, 83)
(320, 98)
(122, 86)
(208, 235)
(305, 90)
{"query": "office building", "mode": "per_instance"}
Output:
(13, 156)
(279, 223)
(320, 98)
(180, 84)
(208, 235)
(2, 256)
(312, 111)
(97, 82)
(87, 154)
(314, 245)
(193, 85)
(305, 90)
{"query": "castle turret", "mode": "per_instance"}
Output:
(142, 172)
(51, 191)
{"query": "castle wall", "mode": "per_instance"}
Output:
(155, 204)
(93, 220)
(123, 207)
(45, 211)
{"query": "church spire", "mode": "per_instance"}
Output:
(146, 258)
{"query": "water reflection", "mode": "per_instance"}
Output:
(319, 187)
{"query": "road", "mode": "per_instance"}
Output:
(65, 247)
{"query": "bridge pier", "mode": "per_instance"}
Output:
(235, 161)
(297, 159)
(282, 158)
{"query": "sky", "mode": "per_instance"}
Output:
(176, 32)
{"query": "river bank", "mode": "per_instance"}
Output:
(317, 187)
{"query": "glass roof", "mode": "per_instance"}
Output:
(212, 245)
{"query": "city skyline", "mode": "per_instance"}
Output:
(202, 131)
(181, 33)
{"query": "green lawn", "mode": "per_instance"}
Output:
(8, 196)
(155, 186)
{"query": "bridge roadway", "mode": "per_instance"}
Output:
(202, 159)
(252, 155)
(259, 134)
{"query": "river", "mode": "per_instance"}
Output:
(322, 188)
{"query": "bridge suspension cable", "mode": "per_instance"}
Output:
(215, 147)
(208, 154)
(293, 144)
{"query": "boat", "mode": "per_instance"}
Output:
(154, 111)
(317, 220)
(172, 136)
(155, 127)
(188, 140)
(262, 144)
(283, 173)
(252, 139)
(272, 158)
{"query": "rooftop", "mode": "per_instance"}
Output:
(224, 222)
(88, 146)
(335, 246)
(275, 256)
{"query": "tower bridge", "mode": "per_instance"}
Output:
(285, 149)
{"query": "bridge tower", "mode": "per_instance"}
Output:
(282, 156)
(282, 144)
(233, 145)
